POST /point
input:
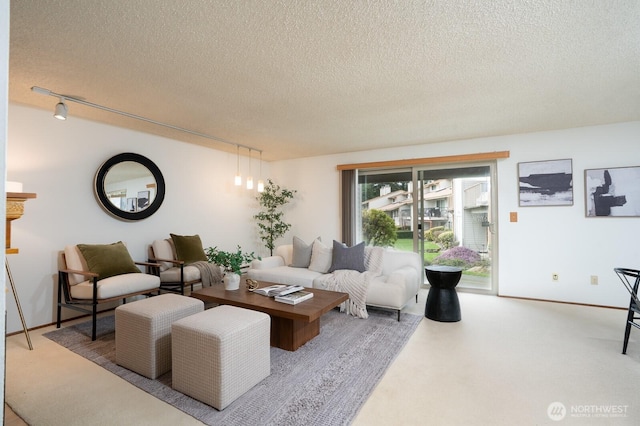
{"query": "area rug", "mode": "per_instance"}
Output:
(325, 382)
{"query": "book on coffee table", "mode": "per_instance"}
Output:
(293, 298)
(278, 290)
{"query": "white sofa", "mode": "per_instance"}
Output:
(399, 283)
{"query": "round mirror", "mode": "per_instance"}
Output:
(129, 186)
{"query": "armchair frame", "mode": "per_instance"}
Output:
(89, 306)
(170, 286)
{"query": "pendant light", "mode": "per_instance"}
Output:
(260, 181)
(249, 177)
(238, 178)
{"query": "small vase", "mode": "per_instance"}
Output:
(231, 281)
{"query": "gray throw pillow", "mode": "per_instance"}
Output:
(301, 256)
(344, 257)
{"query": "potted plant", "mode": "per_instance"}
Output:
(270, 223)
(231, 262)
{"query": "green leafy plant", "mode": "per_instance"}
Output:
(270, 223)
(446, 239)
(378, 228)
(432, 233)
(230, 261)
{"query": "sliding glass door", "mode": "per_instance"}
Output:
(454, 211)
(444, 214)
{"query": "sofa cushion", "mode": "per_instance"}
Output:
(285, 275)
(301, 256)
(188, 248)
(191, 273)
(344, 257)
(320, 257)
(116, 286)
(108, 260)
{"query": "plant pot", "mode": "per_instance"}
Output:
(231, 281)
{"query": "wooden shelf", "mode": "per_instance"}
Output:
(15, 210)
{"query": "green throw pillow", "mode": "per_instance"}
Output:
(108, 260)
(188, 248)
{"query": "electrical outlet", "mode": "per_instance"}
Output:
(594, 280)
(555, 277)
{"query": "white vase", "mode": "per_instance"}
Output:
(231, 281)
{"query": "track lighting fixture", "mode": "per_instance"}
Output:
(61, 110)
(61, 114)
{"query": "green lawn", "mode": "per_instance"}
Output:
(406, 244)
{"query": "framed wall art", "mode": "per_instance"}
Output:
(612, 192)
(545, 183)
(143, 200)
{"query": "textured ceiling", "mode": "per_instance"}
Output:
(305, 78)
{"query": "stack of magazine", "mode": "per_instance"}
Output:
(278, 290)
(294, 298)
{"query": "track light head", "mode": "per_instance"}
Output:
(61, 110)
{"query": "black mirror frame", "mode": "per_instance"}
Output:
(102, 195)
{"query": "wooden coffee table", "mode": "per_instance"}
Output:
(291, 325)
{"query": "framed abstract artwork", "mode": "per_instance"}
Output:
(545, 183)
(143, 200)
(612, 192)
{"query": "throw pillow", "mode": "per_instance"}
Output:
(301, 256)
(108, 260)
(344, 257)
(188, 248)
(320, 257)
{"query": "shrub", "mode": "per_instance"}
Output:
(405, 235)
(432, 233)
(378, 228)
(458, 256)
(446, 239)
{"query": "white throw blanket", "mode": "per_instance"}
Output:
(355, 283)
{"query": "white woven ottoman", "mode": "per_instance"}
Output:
(143, 332)
(232, 348)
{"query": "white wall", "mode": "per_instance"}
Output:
(545, 240)
(58, 161)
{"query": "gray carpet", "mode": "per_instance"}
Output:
(325, 382)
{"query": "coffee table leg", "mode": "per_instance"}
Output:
(289, 334)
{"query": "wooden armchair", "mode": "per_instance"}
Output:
(174, 274)
(90, 275)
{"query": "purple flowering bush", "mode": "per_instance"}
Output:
(458, 256)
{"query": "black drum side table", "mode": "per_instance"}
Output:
(442, 302)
